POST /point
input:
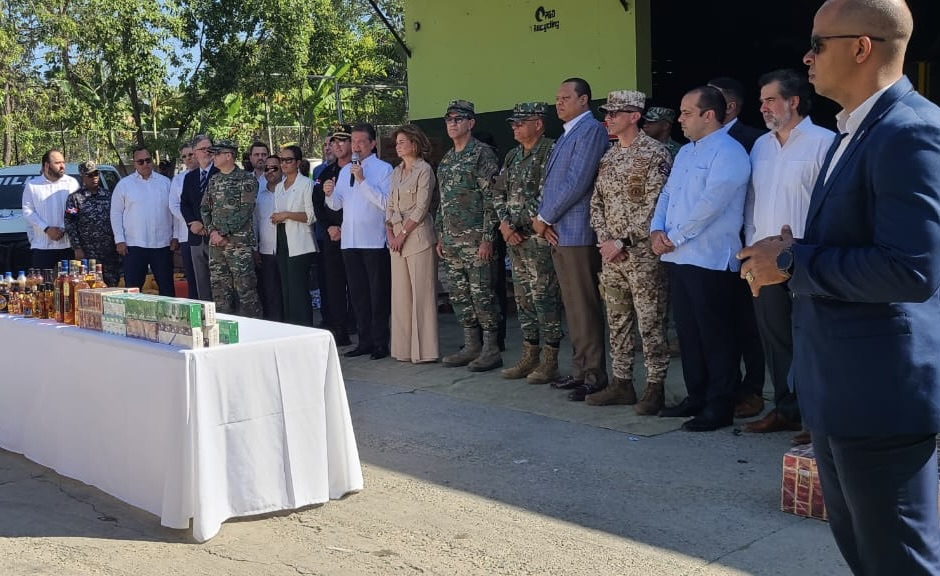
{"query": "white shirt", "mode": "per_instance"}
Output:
(44, 206)
(265, 230)
(782, 180)
(363, 204)
(140, 211)
(848, 123)
(297, 198)
(180, 229)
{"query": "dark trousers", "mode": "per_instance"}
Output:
(577, 268)
(48, 259)
(269, 288)
(750, 348)
(295, 282)
(499, 285)
(881, 496)
(773, 309)
(369, 276)
(334, 304)
(187, 256)
(160, 261)
(703, 305)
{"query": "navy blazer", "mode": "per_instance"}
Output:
(569, 182)
(745, 135)
(191, 201)
(866, 307)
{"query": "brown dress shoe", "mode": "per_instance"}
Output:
(804, 437)
(773, 422)
(749, 406)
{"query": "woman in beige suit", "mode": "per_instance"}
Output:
(411, 240)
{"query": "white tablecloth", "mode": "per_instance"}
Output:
(206, 435)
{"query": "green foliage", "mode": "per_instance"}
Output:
(97, 76)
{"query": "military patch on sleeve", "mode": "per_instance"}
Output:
(664, 168)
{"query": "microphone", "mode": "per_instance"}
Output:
(352, 179)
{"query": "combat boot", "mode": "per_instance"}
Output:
(620, 391)
(547, 371)
(653, 400)
(525, 365)
(490, 357)
(469, 352)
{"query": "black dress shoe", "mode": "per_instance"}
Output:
(708, 421)
(379, 353)
(683, 409)
(567, 383)
(578, 394)
(357, 351)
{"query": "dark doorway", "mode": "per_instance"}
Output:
(743, 39)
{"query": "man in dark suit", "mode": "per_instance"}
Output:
(194, 186)
(865, 280)
(750, 387)
(564, 220)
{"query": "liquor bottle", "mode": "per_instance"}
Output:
(68, 310)
(21, 280)
(11, 292)
(78, 283)
(28, 302)
(13, 306)
(57, 291)
(49, 295)
(99, 277)
(4, 293)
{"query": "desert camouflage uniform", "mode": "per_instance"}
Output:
(516, 196)
(228, 206)
(628, 184)
(88, 225)
(466, 219)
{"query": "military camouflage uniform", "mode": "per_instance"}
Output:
(628, 184)
(467, 219)
(659, 113)
(88, 225)
(516, 196)
(673, 147)
(228, 206)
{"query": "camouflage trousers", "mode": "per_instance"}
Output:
(471, 288)
(635, 292)
(234, 283)
(535, 285)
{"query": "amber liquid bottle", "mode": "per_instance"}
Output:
(99, 277)
(57, 292)
(67, 302)
(78, 283)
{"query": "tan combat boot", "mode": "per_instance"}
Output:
(653, 400)
(471, 349)
(620, 391)
(547, 371)
(525, 365)
(490, 357)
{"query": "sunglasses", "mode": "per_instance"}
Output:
(816, 42)
(272, 168)
(455, 119)
(289, 159)
(143, 161)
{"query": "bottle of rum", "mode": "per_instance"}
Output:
(99, 277)
(78, 283)
(49, 295)
(57, 291)
(68, 310)
(4, 294)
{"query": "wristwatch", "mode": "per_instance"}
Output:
(622, 243)
(785, 261)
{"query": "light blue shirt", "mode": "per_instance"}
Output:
(701, 207)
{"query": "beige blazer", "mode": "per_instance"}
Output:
(409, 199)
(298, 198)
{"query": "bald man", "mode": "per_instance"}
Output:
(864, 280)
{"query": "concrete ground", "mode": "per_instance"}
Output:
(460, 483)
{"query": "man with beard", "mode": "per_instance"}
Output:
(44, 211)
(784, 166)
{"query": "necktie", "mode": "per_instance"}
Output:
(203, 180)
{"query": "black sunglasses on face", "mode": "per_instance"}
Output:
(143, 161)
(816, 42)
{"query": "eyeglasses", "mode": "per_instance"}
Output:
(143, 161)
(288, 159)
(272, 168)
(816, 42)
(520, 123)
(455, 119)
(203, 149)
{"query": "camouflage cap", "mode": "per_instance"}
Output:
(340, 132)
(462, 107)
(657, 113)
(224, 146)
(625, 100)
(524, 110)
(88, 167)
